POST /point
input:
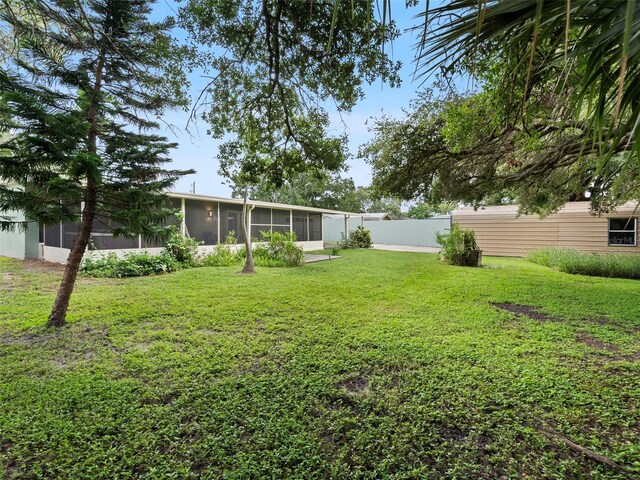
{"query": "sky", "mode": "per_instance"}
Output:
(197, 150)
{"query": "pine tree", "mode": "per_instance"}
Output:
(78, 95)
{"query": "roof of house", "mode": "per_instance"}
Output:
(570, 208)
(256, 203)
(365, 216)
(376, 216)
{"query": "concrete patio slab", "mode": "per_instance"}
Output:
(406, 248)
(311, 257)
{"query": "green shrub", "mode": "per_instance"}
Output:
(278, 250)
(457, 245)
(135, 264)
(360, 238)
(178, 252)
(223, 255)
(618, 265)
(182, 249)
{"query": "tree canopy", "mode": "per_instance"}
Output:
(322, 190)
(274, 66)
(78, 94)
(553, 117)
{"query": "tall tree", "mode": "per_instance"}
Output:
(79, 94)
(324, 190)
(461, 148)
(426, 210)
(568, 72)
(373, 201)
(275, 64)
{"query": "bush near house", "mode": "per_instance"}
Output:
(275, 250)
(224, 254)
(137, 264)
(361, 238)
(278, 250)
(183, 250)
(617, 265)
(179, 252)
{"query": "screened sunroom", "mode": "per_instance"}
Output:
(208, 219)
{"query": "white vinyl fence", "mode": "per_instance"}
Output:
(415, 233)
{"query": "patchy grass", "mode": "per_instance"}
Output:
(615, 265)
(379, 365)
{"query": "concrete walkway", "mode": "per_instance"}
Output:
(406, 248)
(311, 257)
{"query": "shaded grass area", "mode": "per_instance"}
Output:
(376, 365)
(614, 265)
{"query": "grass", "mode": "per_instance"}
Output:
(616, 265)
(375, 365)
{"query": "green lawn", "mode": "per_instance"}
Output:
(375, 365)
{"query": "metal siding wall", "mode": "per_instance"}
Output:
(415, 233)
(499, 232)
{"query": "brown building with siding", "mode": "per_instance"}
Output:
(499, 231)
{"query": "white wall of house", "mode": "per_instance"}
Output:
(19, 244)
(59, 255)
(55, 254)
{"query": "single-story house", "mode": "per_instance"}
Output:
(208, 219)
(500, 231)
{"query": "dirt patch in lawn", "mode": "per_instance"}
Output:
(601, 358)
(42, 266)
(525, 311)
(592, 342)
(534, 313)
(354, 384)
(63, 349)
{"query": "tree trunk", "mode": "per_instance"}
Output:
(248, 263)
(59, 311)
(60, 306)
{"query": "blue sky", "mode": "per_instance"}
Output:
(197, 150)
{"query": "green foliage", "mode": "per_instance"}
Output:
(457, 244)
(311, 189)
(426, 210)
(427, 155)
(557, 42)
(58, 103)
(79, 93)
(360, 238)
(377, 365)
(274, 250)
(617, 265)
(178, 253)
(323, 190)
(373, 201)
(183, 250)
(278, 250)
(275, 65)
(225, 254)
(554, 114)
(135, 264)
